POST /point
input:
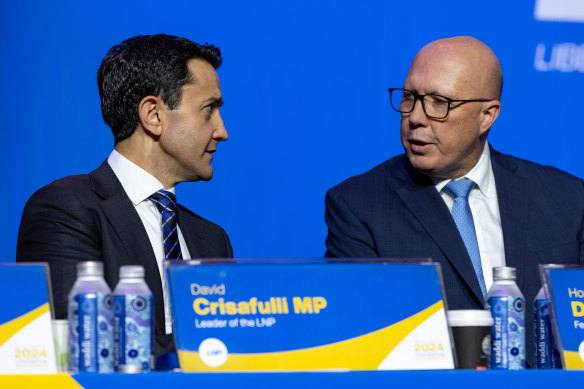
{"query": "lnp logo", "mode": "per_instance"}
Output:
(559, 10)
(213, 352)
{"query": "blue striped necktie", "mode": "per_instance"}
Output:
(463, 218)
(165, 201)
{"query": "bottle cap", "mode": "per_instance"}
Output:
(504, 273)
(132, 271)
(470, 318)
(131, 369)
(90, 268)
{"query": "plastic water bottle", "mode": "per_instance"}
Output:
(90, 321)
(547, 356)
(133, 320)
(507, 306)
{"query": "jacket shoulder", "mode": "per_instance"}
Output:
(386, 173)
(534, 171)
(76, 186)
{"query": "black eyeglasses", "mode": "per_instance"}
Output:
(434, 106)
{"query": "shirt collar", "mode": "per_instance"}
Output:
(481, 174)
(137, 182)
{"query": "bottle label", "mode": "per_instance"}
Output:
(73, 317)
(90, 327)
(507, 333)
(546, 354)
(133, 323)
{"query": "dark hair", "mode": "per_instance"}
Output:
(146, 65)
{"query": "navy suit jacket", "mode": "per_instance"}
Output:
(392, 211)
(89, 217)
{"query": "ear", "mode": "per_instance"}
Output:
(150, 112)
(489, 114)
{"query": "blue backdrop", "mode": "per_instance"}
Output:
(305, 88)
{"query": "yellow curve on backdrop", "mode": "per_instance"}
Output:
(573, 360)
(45, 381)
(8, 329)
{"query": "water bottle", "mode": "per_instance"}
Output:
(133, 320)
(547, 356)
(507, 306)
(90, 321)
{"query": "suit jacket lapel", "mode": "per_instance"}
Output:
(189, 231)
(513, 210)
(126, 223)
(423, 200)
(121, 213)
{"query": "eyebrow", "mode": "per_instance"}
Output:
(216, 100)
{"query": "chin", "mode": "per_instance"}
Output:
(424, 167)
(205, 176)
(198, 173)
(420, 163)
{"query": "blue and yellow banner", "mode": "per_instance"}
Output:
(307, 315)
(567, 295)
(26, 337)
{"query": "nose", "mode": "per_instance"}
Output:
(418, 117)
(220, 132)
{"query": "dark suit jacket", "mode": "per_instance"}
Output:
(89, 217)
(392, 211)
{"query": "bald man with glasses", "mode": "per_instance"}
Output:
(519, 213)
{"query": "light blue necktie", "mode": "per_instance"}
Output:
(463, 218)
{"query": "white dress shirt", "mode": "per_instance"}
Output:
(484, 206)
(139, 186)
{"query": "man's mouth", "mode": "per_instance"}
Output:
(418, 146)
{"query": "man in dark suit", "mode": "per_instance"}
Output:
(160, 95)
(524, 214)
